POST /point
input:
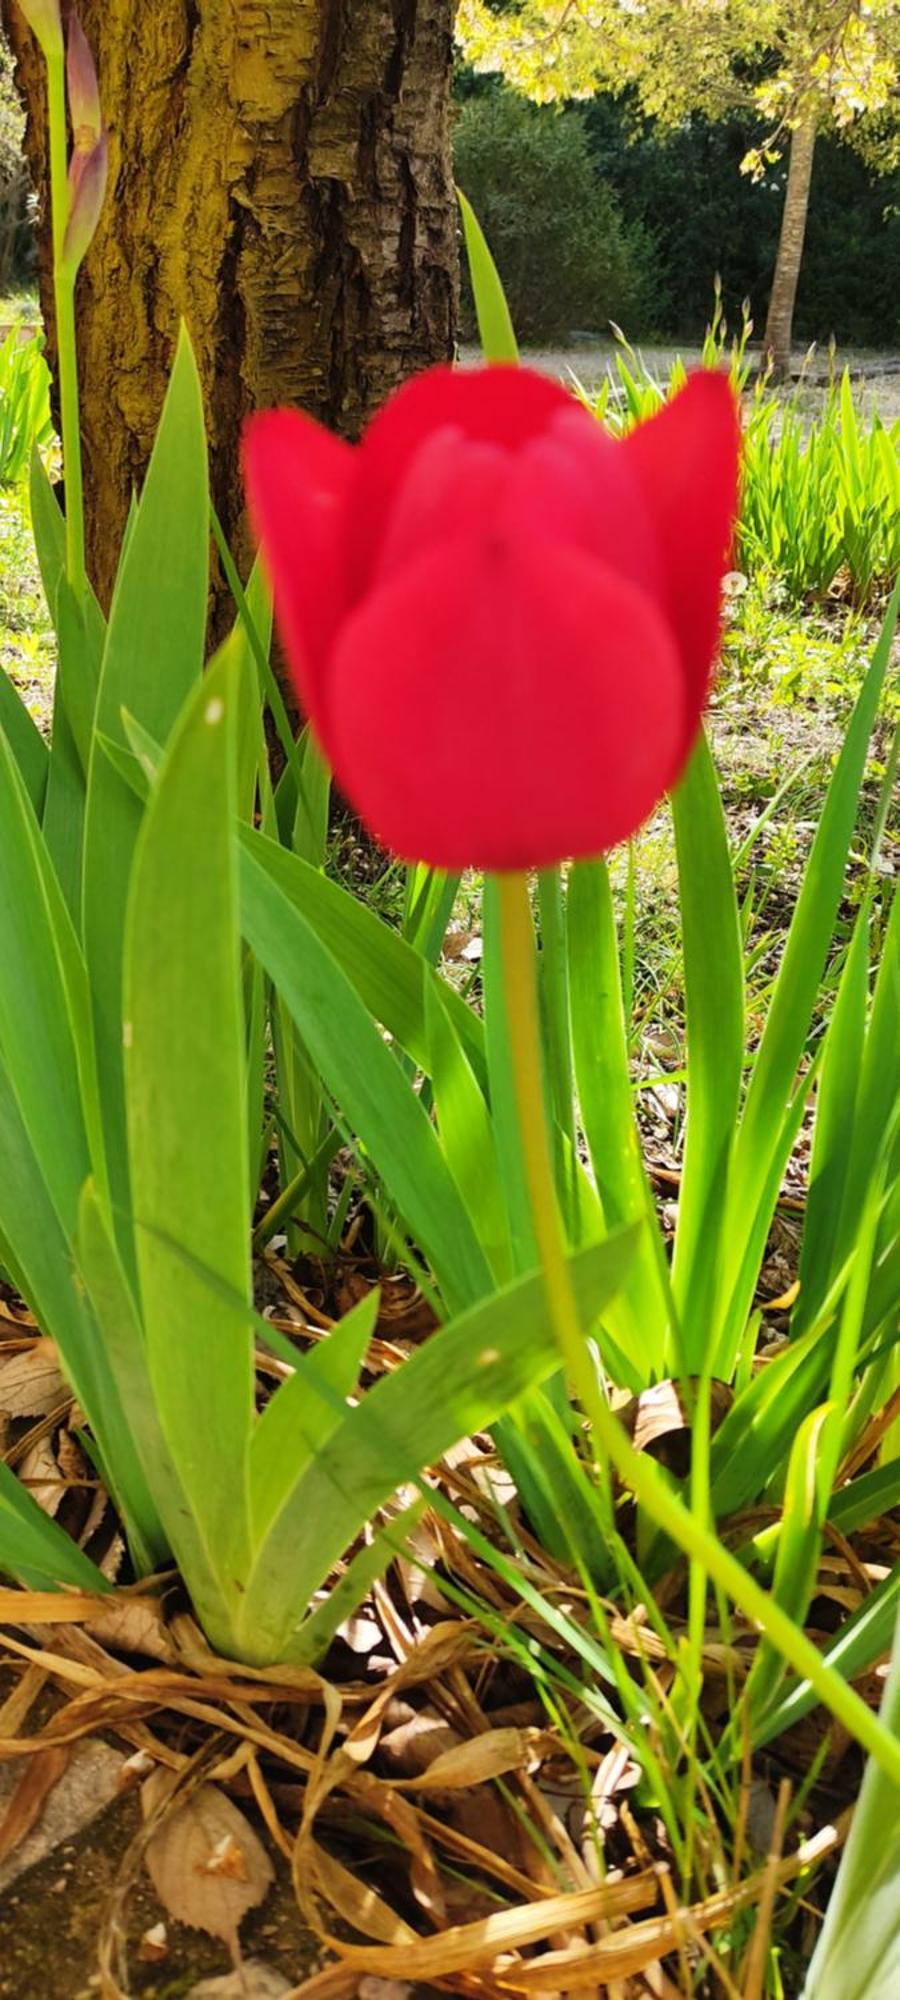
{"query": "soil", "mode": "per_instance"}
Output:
(53, 1916)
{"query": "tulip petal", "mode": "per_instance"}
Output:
(575, 484)
(505, 705)
(297, 478)
(501, 405)
(686, 461)
(454, 483)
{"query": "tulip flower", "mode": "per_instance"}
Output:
(87, 191)
(89, 164)
(501, 623)
(83, 88)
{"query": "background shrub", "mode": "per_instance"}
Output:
(567, 258)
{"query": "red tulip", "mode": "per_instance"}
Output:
(501, 623)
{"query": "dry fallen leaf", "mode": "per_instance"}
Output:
(30, 1382)
(492, 1755)
(39, 1472)
(207, 1865)
(40, 1777)
(134, 1625)
(89, 1783)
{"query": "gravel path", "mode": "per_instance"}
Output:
(876, 376)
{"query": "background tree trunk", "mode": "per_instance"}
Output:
(780, 320)
(281, 179)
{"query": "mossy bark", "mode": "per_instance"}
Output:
(280, 178)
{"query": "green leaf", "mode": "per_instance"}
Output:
(301, 1099)
(753, 1441)
(467, 1135)
(714, 997)
(877, 1092)
(35, 1550)
(151, 1472)
(37, 1035)
(456, 1384)
(642, 1315)
(836, 1098)
(304, 1412)
(185, 1087)
(346, 1591)
(857, 1954)
(553, 972)
(386, 972)
(762, 1129)
(49, 530)
(865, 1499)
(799, 1546)
(429, 906)
(495, 325)
(501, 1087)
(26, 743)
(78, 673)
(365, 1080)
(36, 1252)
(152, 659)
(862, 1639)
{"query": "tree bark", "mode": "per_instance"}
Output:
(780, 320)
(281, 179)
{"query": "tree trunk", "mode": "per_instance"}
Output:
(281, 179)
(780, 321)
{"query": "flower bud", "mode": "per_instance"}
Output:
(87, 186)
(45, 22)
(84, 90)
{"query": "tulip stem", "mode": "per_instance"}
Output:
(66, 339)
(635, 1469)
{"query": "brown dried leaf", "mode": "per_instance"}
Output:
(415, 1743)
(89, 1783)
(207, 1865)
(660, 1422)
(354, 1901)
(30, 1382)
(40, 1777)
(492, 1755)
(39, 1472)
(134, 1625)
(402, 1311)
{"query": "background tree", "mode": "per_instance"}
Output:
(800, 64)
(280, 178)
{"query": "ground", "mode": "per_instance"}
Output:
(876, 375)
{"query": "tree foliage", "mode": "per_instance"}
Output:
(783, 59)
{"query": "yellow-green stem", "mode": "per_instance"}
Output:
(66, 343)
(634, 1468)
